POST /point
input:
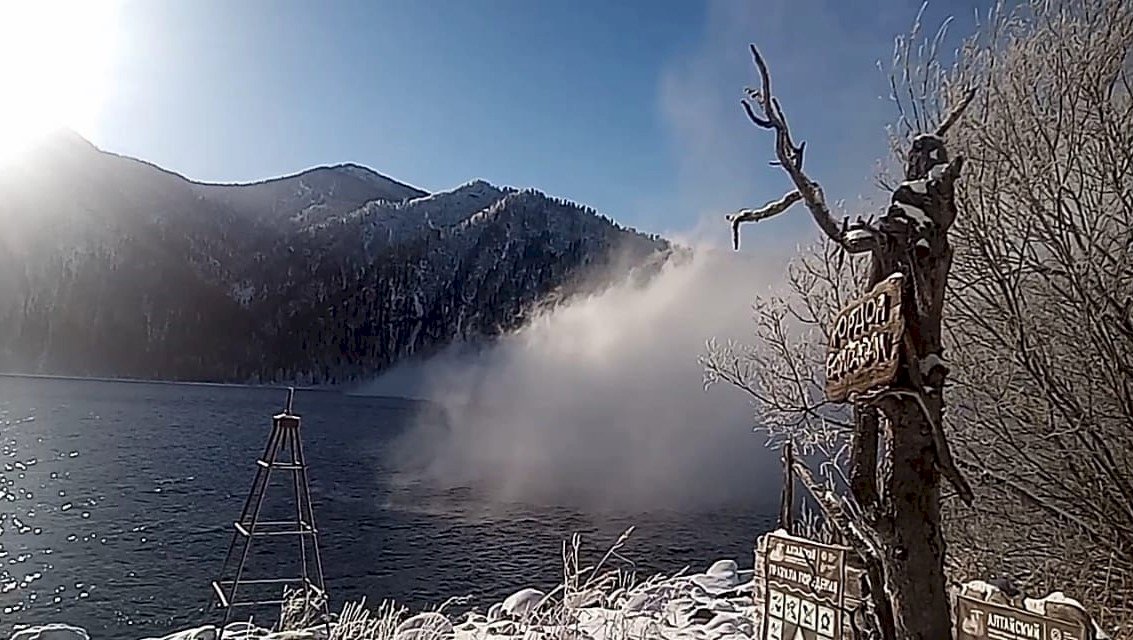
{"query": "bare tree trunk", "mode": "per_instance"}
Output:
(909, 523)
(910, 530)
(899, 530)
(863, 456)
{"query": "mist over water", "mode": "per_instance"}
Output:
(600, 403)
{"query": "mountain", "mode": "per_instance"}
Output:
(309, 196)
(111, 266)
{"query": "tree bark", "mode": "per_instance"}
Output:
(863, 457)
(909, 523)
(913, 545)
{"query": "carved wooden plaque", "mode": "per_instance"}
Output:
(804, 589)
(979, 620)
(865, 341)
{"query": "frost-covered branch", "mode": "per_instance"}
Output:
(781, 373)
(790, 156)
(846, 518)
(1041, 364)
(755, 215)
(954, 116)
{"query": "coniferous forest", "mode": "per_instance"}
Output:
(117, 268)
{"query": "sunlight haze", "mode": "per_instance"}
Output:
(630, 108)
(56, 60)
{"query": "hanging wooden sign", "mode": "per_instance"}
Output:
(865, 341)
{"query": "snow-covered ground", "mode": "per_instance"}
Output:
(713, 605)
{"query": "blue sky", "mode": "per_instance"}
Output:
(630, 107)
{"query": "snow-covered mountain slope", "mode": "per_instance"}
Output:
(311, 196)
(112, 266)
(383, 223)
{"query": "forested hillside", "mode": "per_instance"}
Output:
(110, 266)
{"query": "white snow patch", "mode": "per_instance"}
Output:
(721, 577)
(919, 186)
(857, 235)
(51, 632)
(937, 171)
(914, 213)
(522, 602)
(678, 608)
(932, 361)
(979, 588)
(429, 625)
(927, 136)
(1038, 605)
(200, 633)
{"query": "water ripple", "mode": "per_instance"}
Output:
(115, 501)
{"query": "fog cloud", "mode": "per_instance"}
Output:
(600, 402)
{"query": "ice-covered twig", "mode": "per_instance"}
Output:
(956, 113)
(755, 215)
(861, 537)
(846, 518)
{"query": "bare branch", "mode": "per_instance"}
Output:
(955, 114)
(844, 518)
(759, 122)
(790, 156)
(755, 215)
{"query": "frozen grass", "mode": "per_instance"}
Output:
(603, 601)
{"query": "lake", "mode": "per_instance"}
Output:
(116, 503)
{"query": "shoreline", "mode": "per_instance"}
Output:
(328, 389)
(716, 604)
(236, 385)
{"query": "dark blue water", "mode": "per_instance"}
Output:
(116, 501)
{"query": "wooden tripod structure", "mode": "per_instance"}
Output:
(283, 452)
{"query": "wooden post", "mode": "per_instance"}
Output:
(787, 498)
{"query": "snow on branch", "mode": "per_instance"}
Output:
(955, 114)
(789, 155)
(755, 215)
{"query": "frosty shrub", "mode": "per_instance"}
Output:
(601, 600)
(1039, 312)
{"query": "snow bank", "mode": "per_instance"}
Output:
(714, 605)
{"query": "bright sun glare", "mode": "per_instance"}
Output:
(55, 66)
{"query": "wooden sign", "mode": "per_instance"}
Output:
(865, 342)
(804, 589)
(980, 620)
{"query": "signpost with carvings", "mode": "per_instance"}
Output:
(804, 589)
(866, 341)
(981, 620)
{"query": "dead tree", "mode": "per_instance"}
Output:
(898, 449)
